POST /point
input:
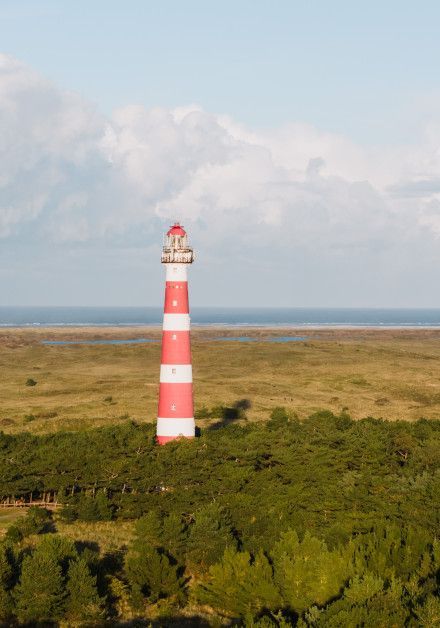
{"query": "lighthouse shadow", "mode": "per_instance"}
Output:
(230, 414)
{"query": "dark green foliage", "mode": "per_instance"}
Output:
(151, 574)
(326, 522)
(6, 582)
(83, 602)
(88, 508)
(31, 382)
(63, 550)
(209, 535)
(37, 520)
(69, 513)
(240, 585)
(428, 613)
(39, 594)
(367, 602)
(14, 534)
(306, 572)
(149, 529)
(152, 570)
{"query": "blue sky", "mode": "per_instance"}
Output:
(298, 141)
(349, 67)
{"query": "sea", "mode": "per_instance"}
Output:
(214, 316)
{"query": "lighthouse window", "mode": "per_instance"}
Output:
(174, 303)
(173, 371)
(174, 337)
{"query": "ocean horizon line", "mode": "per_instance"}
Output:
(210, 316)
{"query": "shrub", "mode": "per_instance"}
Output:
(69, 513)
(202, 413)
(279, 415)
(31, 382)
(94, 508)
(37, 520)
(14, 534)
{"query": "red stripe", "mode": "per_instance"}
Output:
(176, 401)
(176, 347)
(163, 440)
(176, 297)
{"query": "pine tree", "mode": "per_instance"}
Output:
(239, 585)
(209, 536)
(174, 535)
(83, 601)
(36, 521)
(103, 507)
(87, 509)
(306, 572)
(120, 598)
(61, 549)
(429, 613)
(6, 581)
(149, 529)
(366, 602)
(151, 574)
(39, 594)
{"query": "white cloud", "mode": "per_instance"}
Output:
(74, 174)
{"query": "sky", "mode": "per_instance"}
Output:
(297, 141)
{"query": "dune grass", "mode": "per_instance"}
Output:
(8, 516)
(390, 374)
(110, 536)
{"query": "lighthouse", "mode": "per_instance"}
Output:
(176, 410)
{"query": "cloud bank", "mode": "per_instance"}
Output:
(274, 197)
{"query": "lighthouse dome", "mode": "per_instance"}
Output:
(176, 230)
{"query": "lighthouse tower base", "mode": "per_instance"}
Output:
(170, 429)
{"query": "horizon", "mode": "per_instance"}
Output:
(216, 307)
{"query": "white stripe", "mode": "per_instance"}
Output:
(176, 272)
(176, 373)
(175, 427)
(176, 322)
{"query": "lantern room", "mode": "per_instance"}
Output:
(176, 249)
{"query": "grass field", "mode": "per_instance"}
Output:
(8, 516)
(394, 374)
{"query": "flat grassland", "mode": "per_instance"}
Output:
(394, 374)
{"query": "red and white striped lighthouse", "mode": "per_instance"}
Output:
(176, 411)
